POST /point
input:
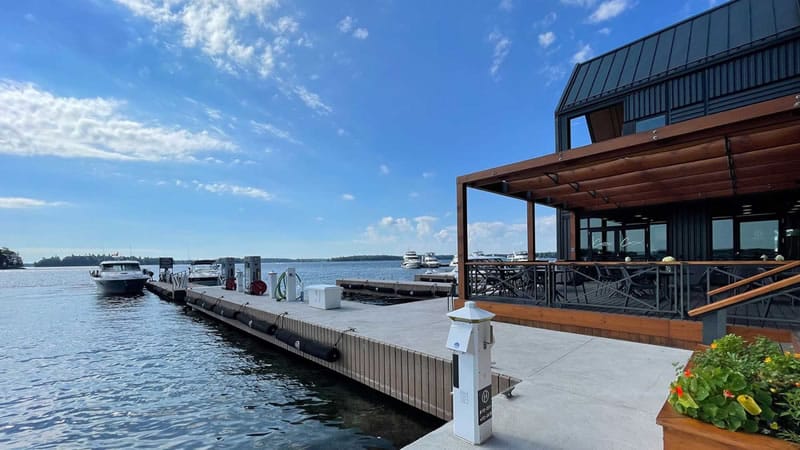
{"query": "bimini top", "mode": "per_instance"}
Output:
(731, 28)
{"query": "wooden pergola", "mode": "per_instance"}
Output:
(749, 150)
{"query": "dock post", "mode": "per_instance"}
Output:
(471, 339)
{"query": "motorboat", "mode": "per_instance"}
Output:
(454, 262)
(205, 272)
(521, 255)
(430, 260)
(411, 260)
(120, 277)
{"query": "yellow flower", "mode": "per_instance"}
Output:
(797, 355)
(749, 404)
(767, 360)
(713, 345)
(774, 425)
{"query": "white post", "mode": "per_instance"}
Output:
(272, 279)
(291, 284)
(471, 341)
(240, 281)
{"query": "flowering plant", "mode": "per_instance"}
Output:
(739, 386)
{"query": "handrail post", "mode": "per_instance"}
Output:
(714, 326)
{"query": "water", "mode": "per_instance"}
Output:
(80, 370)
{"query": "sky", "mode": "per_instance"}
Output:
(202, 129)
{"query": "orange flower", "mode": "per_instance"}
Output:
(713, 345)
(688, 373)
(679, 391)
(727, 394)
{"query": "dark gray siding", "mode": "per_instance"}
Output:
(688, 234)
(732, 28)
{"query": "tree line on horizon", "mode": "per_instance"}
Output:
(93, 260)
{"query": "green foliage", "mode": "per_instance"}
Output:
(742, 387)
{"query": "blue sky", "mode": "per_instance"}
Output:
(199, 128)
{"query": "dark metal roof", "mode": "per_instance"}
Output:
(731, 28)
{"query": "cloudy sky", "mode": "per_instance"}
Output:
(200, 128)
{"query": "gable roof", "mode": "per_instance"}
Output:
(733, 27)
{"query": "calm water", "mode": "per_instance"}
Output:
(79, 370)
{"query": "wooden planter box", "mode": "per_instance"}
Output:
(682, 432)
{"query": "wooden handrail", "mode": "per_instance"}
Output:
(736, 299)
(755, 277)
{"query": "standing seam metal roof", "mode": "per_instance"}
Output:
(729, 28)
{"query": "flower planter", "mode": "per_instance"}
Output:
(682, 432)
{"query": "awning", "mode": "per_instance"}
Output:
(753, 149)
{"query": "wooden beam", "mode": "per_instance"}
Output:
(772, 112)
(762, 188)
(745, 296)
(531, 231)
(462, 237)
(754, 278)
(632, 163)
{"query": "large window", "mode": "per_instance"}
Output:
(758, 237)
(722, 239)
(608, 239)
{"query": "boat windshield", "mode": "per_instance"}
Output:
(120, 267)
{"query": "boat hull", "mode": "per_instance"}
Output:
(204, 281)
(120, 286)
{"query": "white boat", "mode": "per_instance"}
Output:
(454, 262)
(411, 260)
(430, 260)
(205, 272)
(120, 277)
(521, 255)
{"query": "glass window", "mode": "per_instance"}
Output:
(633, 243)
(758, 238)
(658, 241)
(722, 239)
(593, 222)
(586, 244)
(651, 123)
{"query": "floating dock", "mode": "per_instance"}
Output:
(569, 390)
(410, 290)
(436, 277)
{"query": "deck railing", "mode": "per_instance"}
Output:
(661, 289)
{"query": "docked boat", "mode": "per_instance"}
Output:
(454, 262)
(411, 260)
(430, 261)
(120, 277)
(205, 272)
(521, 255)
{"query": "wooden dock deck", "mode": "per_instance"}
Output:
(569, 392)
(395, 289)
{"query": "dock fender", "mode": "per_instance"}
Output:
(322, 351)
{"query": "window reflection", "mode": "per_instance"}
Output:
(758, 238)
(633, 243)
(722, 239)
(658, 241)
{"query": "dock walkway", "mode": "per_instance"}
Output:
(574, 391)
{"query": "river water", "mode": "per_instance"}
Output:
(80, 370)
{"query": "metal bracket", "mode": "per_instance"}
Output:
(553, 177)
(575, 186)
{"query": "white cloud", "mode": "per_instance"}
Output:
(30, 17)
(262, 128)
(23, 202)
(546, 39)
(413, 194)
(506, 5)
(232, 189)
(605, 31)
(397, 234)
(428, 174)
(215, 27)
(583, 3)
(348, 197)
(502, 45)
(552, 73)
(608, 10)
(583, 53)
(34, 122)
(360, 33)
(312, 100)
(547, 20)
(384, 169)
(341, 132)
(345, 25)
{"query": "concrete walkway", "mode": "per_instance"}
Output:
(577, 392)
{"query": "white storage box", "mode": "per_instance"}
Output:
(323, 296)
